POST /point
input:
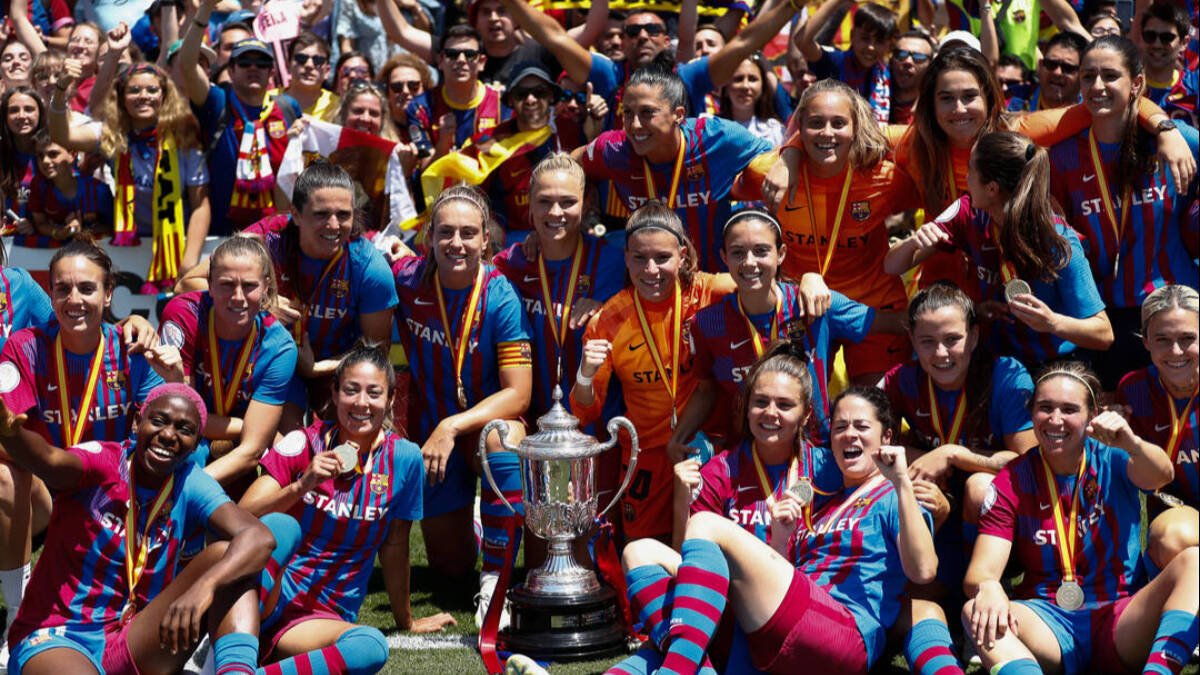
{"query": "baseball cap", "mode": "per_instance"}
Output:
(960, 36)
(251, 46)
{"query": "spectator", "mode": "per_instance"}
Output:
(360, 29)
(745, 101)
(24, 116)
(308, 65)
(351, 66)
(1013, 77)
(1103, 23)
(406, 77)
(865, 66)
(1164, 31)
(15, 61)
(230, 33)
(1057, 74)
(363, 108)
(63, 203)
(908, 64)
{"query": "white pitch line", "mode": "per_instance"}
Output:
(423, 642)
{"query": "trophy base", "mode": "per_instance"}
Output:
(564, 628)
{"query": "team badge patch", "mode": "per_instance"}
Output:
(1090, 488)
(3, 301)
(860, 211)
(340, 287)
(583, 284)
(92, 447)
(276, 129)
(380, 483)
(10, 377)
(1018, 16)
(114, 379)
(695, 172)
(38, 637)
(794, 329)
(172, 334)
(526, 351)
(291, 445)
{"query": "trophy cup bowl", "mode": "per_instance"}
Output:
(562, 612)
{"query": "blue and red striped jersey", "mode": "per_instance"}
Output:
(1149, 417)
(80, 578)
(1018, 508)
(23, 303)
(345, 519)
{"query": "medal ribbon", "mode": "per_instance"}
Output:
(792, 474)
(460, 345)
(773, 334)
(1118, 225)
(823, 262)
(298, 327)
(863, 489)
(73, 433)
(935, 415)
(676, 174)
(222, 399)
(670, 380)
(559, 328)
(1178, 422)
(137, 548)
(1066, 535)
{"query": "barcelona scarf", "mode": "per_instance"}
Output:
(167, 217)
(253, 180)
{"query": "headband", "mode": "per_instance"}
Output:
(1074, 376)
(183, 391)
(629, 232)
(753, 213)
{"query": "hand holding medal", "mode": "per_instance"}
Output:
(323, 466)
(347, 456)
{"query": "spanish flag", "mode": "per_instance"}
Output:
(473, 163)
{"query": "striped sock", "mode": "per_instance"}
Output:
(1018, 667)
(650, 589)
(1173, 644)
(929, 650)
(235, 654)
(700, 587)
(645, 661)
(362, 650)
(494, 515)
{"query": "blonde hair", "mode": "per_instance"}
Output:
(462, 192)
(244, 246)
(174, 115)
(869, 146)
(1166, 298)
(558, 161)
(387, 130)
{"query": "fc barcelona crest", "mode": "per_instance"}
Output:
(694, 172)
(276, 129)
(114, 379)
(380, 483)
(526, 351)
(340, 287)
(4, 300)
(794, 329)
(583, 285)
(860, 211)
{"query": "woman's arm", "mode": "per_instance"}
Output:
(907, 254)
(396, 562)
(400, 31)
(915, 539)
(1093, 332)
(597, 20)
(119, 39)
(58, 469)
(988, 610)
(258, 429)
(988, 40)
(265, 495)
(685, 30)
(376, 328)
(78, 138)
(195, 279)
(574, 57)
(1149, 467)
(18, 14)
(806, 40)
(197, 228)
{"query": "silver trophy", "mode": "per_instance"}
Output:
(561, 612)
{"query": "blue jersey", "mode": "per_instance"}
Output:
(1007, 411)
(725, 348)
(608, 81)
(81, 578)
(344, 519)
(731, 487)
(29, 384)
(1073, 293)
(1178, 97)
(715, 151)
(601, 276)
(853, 553)
(270, 365)
(874, 84)
(1018, 508)
(23, 303)
(1150, 253)
(1150, 417)
(333, 293)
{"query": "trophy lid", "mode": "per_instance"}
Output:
(558, 436)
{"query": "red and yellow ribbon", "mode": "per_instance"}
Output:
(823, 261)
(1066, 534)
(676, 174)
(459, 346)
(223, 400)
(670, 379)
(298, 327)
(73, 432)
(559, 328)
(1118, 224)
(1178, 422)
(935, 415)
(773, 333)
(137, 548)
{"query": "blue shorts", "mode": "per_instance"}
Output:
(88, 641)
(1086, 637)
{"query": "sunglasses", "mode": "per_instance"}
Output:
(303, 59)
(254, 63)
(453, 54)
(1009, 84)
(579, 97)
(411, 86)
(1166, 37)
(1052, 65)
(522, 93)
(917, 57)
(652, 29)
(354, 71)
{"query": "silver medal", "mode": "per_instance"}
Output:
(802, 491)
(1069, 596)
(1014, 288)
(347, 456)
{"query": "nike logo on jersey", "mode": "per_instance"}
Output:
(528, 279)
(987, 247)
(419, 301)
(50, 386)
(735, 345)
(922, 413)
(1088, 177)
(636, 347)
(747, 487)
(1045, 507)
(789, 207)
(1161, 427)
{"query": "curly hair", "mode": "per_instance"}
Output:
(174, 115)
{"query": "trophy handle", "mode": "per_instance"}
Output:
(501, 429)
(613, 425)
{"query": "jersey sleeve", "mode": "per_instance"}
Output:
(142, 377)
(512, 324)
(998, 513)
(1012, 387)
(605, 76)
(203, 495)
(715, 485)
(209, 113)
(287, 459)
(829, 65)
(849, 320)
(748, 184)
(408, 481)
(178, 327)
(733, 143)
(377, 287)
(273, 374)
(18, 383)
(697, 80)
(954, 221)
(601, 156)
(702, 355)
(34, 299)
(827, 477)
(1047, 127)
(101, 461)
(1075, 281)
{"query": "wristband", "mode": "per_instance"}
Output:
(582, 379)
